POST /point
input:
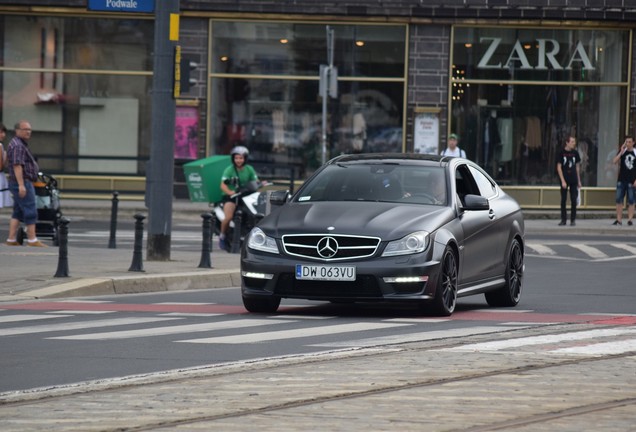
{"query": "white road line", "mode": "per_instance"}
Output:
(542, 340)
(189, 314)
(162, 331)
(184, 303)
(604, 348)
(417, 320)
(415, 337)
(540, 248)
(499, 310)
(82, 301)
(291, 334)
(78, 325)
(82, 312)
(628, 248)
(589, 250)
(16, 318)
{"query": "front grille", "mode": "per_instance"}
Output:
(362, 287)
(326, 247)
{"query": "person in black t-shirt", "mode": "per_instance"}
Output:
(626, 182)
(569, 170)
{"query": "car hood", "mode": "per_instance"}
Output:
(385, 220)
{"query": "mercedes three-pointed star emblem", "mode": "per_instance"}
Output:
(327, 247)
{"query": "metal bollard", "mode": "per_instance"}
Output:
(291, 181)
(62, 262)
(137, 262)
(112, 244)
(236, 236)
(206, 246)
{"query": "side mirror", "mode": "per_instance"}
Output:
(475, 202)
(279, 197)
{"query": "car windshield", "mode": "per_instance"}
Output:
(380, 182)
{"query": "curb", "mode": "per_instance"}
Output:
(134, 285)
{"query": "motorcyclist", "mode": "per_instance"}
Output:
(234, 177)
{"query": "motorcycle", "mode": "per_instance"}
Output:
(251, 207)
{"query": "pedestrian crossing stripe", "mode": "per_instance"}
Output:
(594, 251)
(589, 250)
(79, 325)
(26, 317)
(168, 330)
(548, 340)
(601, 349)
(415, 337)
(594, 342)
(295, 333)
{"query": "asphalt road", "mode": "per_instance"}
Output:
(54, 343)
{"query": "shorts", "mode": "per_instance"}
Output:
(624, 188)
(24, 209)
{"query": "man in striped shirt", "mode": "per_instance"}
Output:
(23, 171)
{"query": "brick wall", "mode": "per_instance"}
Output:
(616, 10)
(428, 65)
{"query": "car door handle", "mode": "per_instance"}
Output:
(491, 214)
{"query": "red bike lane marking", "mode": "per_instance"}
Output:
(494, 315)
(127, 307)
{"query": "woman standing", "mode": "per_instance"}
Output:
(5, 195)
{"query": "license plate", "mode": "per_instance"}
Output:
(325, 273)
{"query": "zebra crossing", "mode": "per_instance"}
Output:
(597, 251)
(232, 329)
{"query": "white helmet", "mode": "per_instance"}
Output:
(242, 150)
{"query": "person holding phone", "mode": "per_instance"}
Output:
(626, 182)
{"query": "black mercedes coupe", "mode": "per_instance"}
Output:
(388, 228)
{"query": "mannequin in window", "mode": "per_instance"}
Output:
(491, 137)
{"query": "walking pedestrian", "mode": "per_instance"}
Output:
(626, 182)
(23, 171)
(569, 170)
(452, 149)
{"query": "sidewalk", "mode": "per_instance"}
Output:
(28, 273)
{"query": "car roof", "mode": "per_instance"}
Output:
(396, 158)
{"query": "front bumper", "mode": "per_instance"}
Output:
(377, 279)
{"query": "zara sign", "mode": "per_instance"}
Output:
(548, 56)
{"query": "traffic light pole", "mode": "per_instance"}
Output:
(160, 168)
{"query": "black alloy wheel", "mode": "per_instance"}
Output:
(510, 293)
(446, 293)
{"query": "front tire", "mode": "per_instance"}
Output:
(264, 304)
(510, 294)
(446, 292)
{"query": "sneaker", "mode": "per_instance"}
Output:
(616, 222)
(36, 243)
(561, 223)
(222, 244)
(572, 223)
(630, 223)
(12, 243)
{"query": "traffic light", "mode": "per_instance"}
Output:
(187, 66)
(182, 69)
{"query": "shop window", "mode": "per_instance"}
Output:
(517, 94)
(279, 119)
(92, 122)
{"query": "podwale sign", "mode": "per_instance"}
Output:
(122, 5)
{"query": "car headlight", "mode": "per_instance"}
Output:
(410, 244)
(257, 240)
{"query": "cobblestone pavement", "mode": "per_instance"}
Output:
(439, 385)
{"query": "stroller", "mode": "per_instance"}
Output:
(47, 199)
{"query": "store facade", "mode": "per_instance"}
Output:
(512, 86)
(518, 93)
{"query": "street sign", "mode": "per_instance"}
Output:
(144, 6)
